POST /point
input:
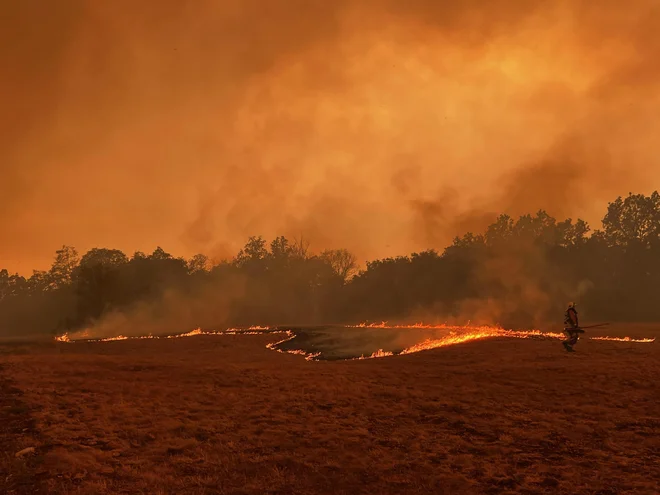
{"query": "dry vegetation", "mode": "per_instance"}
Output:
(206, 415)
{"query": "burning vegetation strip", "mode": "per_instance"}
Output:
(456, 335)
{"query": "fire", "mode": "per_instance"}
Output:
(384, 324)
(455, 335)
(192, 333)
(461, 334)
(624, 339)
(274, 346)
(378, 354)
(83, 336)
(482, 333)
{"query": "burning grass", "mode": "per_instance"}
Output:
(224, 414)
(454, 335)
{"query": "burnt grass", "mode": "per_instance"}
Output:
(225, 415)
(336, 343)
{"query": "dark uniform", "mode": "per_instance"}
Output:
(571, 327)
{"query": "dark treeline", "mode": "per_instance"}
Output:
(516, 273)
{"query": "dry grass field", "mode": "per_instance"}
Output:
(224, 415)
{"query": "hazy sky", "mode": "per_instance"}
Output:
(381, 126)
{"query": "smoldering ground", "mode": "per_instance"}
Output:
(382, 126)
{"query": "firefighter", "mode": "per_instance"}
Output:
(571, 327)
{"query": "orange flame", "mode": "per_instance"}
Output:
(468, 333)
(624, 339)
(192, 333)
(273, 346)
(378, 354)
(384, 324)
(82, 336)
(456, 335)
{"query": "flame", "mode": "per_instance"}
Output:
(456, 335)
(274, 346)
(82, 336)
(378, 354)
(384, 324)
(625, 339)
(192, 333)
(461, 334)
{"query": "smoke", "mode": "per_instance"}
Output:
(209, 307)
(381, 126)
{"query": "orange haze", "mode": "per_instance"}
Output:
(380, 126)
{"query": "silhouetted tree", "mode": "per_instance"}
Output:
(198, 263)
(98, 282)
(342, 261)
(634, 220)
(61, 272)
(253, 252)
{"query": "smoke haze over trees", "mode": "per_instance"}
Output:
(380, 126)
(518, 272)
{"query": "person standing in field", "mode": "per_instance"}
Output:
(571, 327)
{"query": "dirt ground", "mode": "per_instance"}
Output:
(224, 415)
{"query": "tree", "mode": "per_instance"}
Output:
(280, 248)
(138, 255)
(39, 282)
(634, 220)
(4, 284)
(198, 263)
(500, 231)
(572, 234)
(254, 250)
(62, 270)
(300, 247)
(160, 254)
(98, 284)
(16, 285)
(102, 257)
(342, 261)
(540, 228)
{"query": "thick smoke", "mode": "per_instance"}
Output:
(378, 126)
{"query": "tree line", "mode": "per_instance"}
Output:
(518, 272)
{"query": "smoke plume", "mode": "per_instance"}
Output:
(379, 126)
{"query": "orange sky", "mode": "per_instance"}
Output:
(383, 128)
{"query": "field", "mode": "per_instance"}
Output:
(225, 415)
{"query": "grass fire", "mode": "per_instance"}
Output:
(329, 247)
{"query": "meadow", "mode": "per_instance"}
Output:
(226, 415)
